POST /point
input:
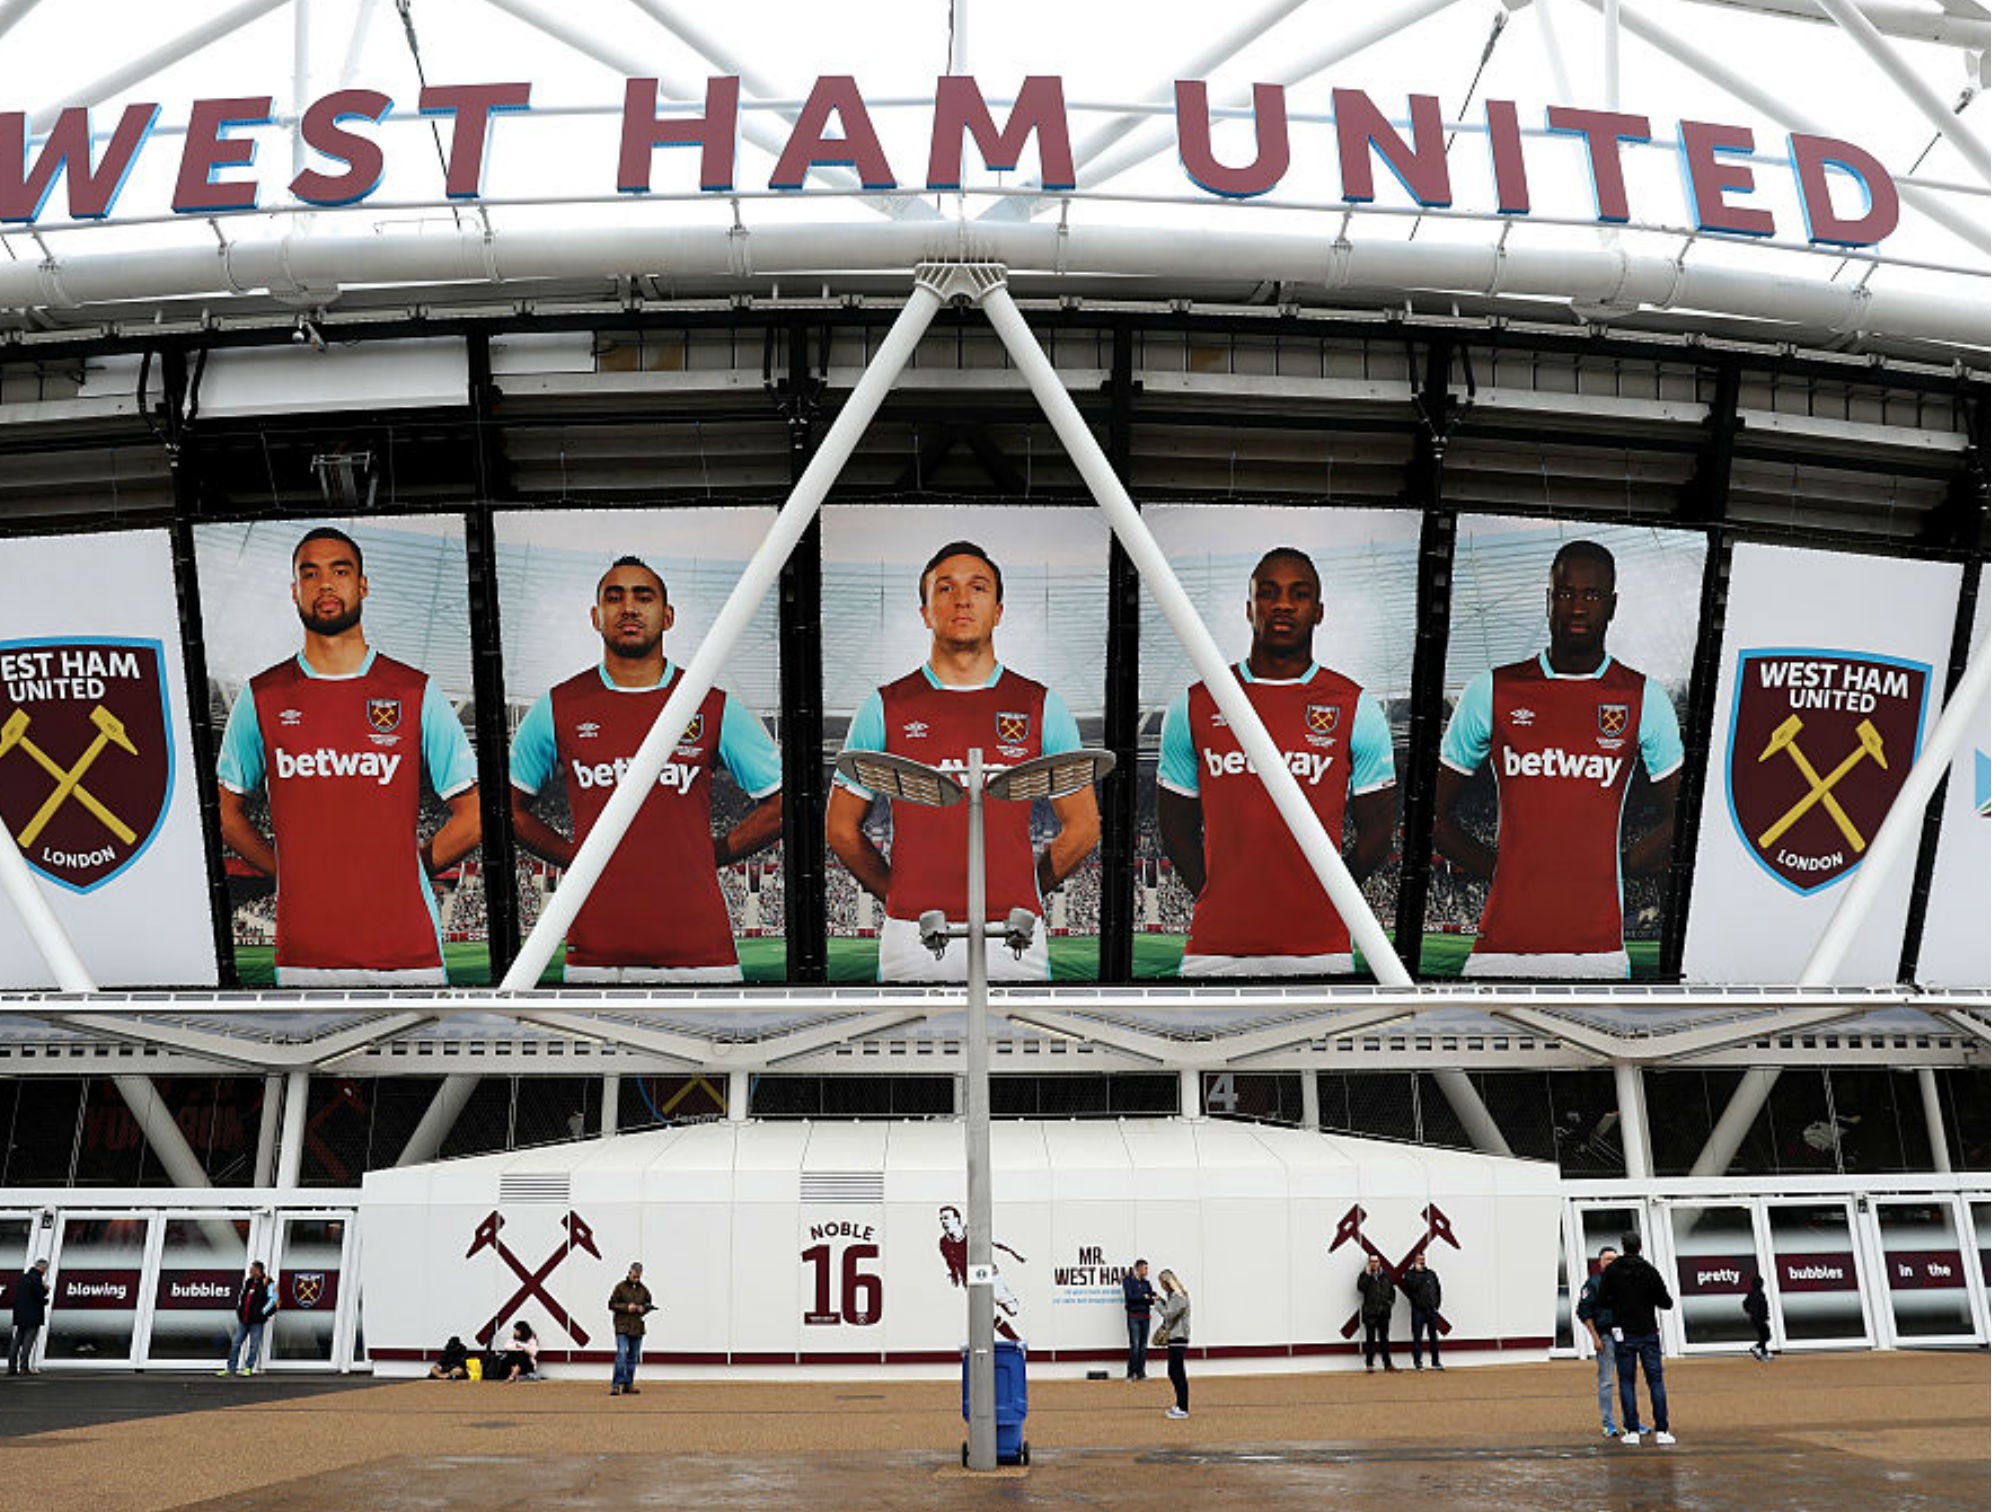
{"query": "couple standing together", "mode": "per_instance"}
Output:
(1172, 1332)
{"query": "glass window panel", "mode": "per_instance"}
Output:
(1927, 1290)
(308, 1289)
(1715, 1257)
(95, 1283)
(1819, 1289)
(201, 1265)
(14, 1236)
(1981, 1221)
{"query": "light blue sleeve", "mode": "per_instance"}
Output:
(1178, 770)
(1061, 730)
(1372, 764)
(240, 764)
(1470, 735)
(867, 733)
(1659, 733)
(534, 751)
(748, 750)
(445, 748)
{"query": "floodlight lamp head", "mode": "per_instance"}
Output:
(1018, 929)
(1055, 776)
(934, 931)
(898, 778)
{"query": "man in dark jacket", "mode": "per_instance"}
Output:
(253, 1306)
(30, 1312)
(1421, 1289)
(1635, 1294)
(1599, 1321)
(629, 1304)
(1379, 1296)
(1140, 1299)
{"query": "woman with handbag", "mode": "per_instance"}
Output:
(1173, 1333)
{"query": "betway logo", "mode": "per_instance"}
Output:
(675, 778)
(324, 762)
(1557, 762)
(1309, 766)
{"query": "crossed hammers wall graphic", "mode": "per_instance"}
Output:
(533, 1283)
(1820, 789)
(1350, 1229)
(69, 781)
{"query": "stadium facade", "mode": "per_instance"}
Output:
(1780, 439)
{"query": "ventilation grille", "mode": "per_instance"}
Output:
(551, 1186)
(843, 1186)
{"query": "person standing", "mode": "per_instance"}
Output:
(1175, 1331)
(1598, 1320)
(30, 1312)
(1379, 1297)
(253, 1306)
(629, 1304)
(1758, 1307)
(1422, 1290)
(1636, 1295)
(1140, 1299)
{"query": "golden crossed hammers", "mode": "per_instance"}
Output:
(69, 783)
(1785, 738)
(1822, 788)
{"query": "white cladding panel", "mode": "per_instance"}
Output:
(797, 1245)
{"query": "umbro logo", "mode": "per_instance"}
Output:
(291, 717)
(587, 730)
(1218, 721)
(915, 729)
(1523, 717)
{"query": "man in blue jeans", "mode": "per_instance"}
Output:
(1140, 1298)
(1599, 1321)
(1634, 1293)
(253, 1306)
(629, 1305)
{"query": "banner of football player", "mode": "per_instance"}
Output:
(339, 676)
(1316, 608)
(948, 629)
(1832, 673)
(97, 783)
(600, 610)
(1953, 953)
(1566, 673)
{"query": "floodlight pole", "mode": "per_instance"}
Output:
(981, 1207)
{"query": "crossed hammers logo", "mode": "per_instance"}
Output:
(533, 1283)
(1350, 1229)
(69, 781)
(1820, 789)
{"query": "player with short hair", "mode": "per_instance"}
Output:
(328, 734)
(1560, 730)
(656, 914)
(960, 698)
(1260, 909)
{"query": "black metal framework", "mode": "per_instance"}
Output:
(214, 467)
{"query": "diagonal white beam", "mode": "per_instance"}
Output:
(12, 12)
(19, 888)
(1741, 85)
(741, 606)
(1158, 1048)
(1870, 41)
(1334, 1024)
(1599, 1042)
(680, 1047)
(164, 56)
(329, 1047)
(1323, 852)
(1950, 26)
(800, 1042)
(218, 1047)
(1970, 1023)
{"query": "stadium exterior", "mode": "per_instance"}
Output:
(428, 359)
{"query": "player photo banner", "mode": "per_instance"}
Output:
(96, 762)
(1829, 679)
(1953, 952)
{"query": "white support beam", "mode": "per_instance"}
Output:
(223, 1049)
(1730, 1130)
(611, 1104)
(1912, 23)
(1599, 1042)
(437, 1120)
(1189, 1089)
(1310, 1099)
(175, 1155)
(1465, 1101)
(660, 1042)
(1971, 1023)
(1635, 1133)
(12, 12)
(266, 1130)
(1933, 1119)
(223, 24)
(290, 1149)
(1869, 40)
(795, 1044)
(19, 888)
(739, 1095)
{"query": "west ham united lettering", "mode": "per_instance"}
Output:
(86, 753)
(1819, 745)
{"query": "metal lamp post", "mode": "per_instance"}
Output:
(906, 781)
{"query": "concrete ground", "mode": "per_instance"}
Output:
(1820, 1432)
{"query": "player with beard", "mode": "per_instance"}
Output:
(1260, 909)
(329, 734)
(959, 699)
(656, 914)
(1560, 730)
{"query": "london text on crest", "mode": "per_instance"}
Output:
(86, 753)
(1819, 745)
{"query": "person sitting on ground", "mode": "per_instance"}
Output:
(522, 1354)
(454, 1363)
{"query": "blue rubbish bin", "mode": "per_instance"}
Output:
(1013, 1403)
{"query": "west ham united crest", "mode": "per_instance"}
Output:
(1322, 718)
(86, 753)
(384, 715)
(1819, 744)
(1613, 718)
(695, 731)
(1013, 728)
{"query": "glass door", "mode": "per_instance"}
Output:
(202, 1260)
(1817, 1301)
(1715, 1259)
(1929, 1295)
(312, 1265)
(17, 1232)
(98, 1300)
